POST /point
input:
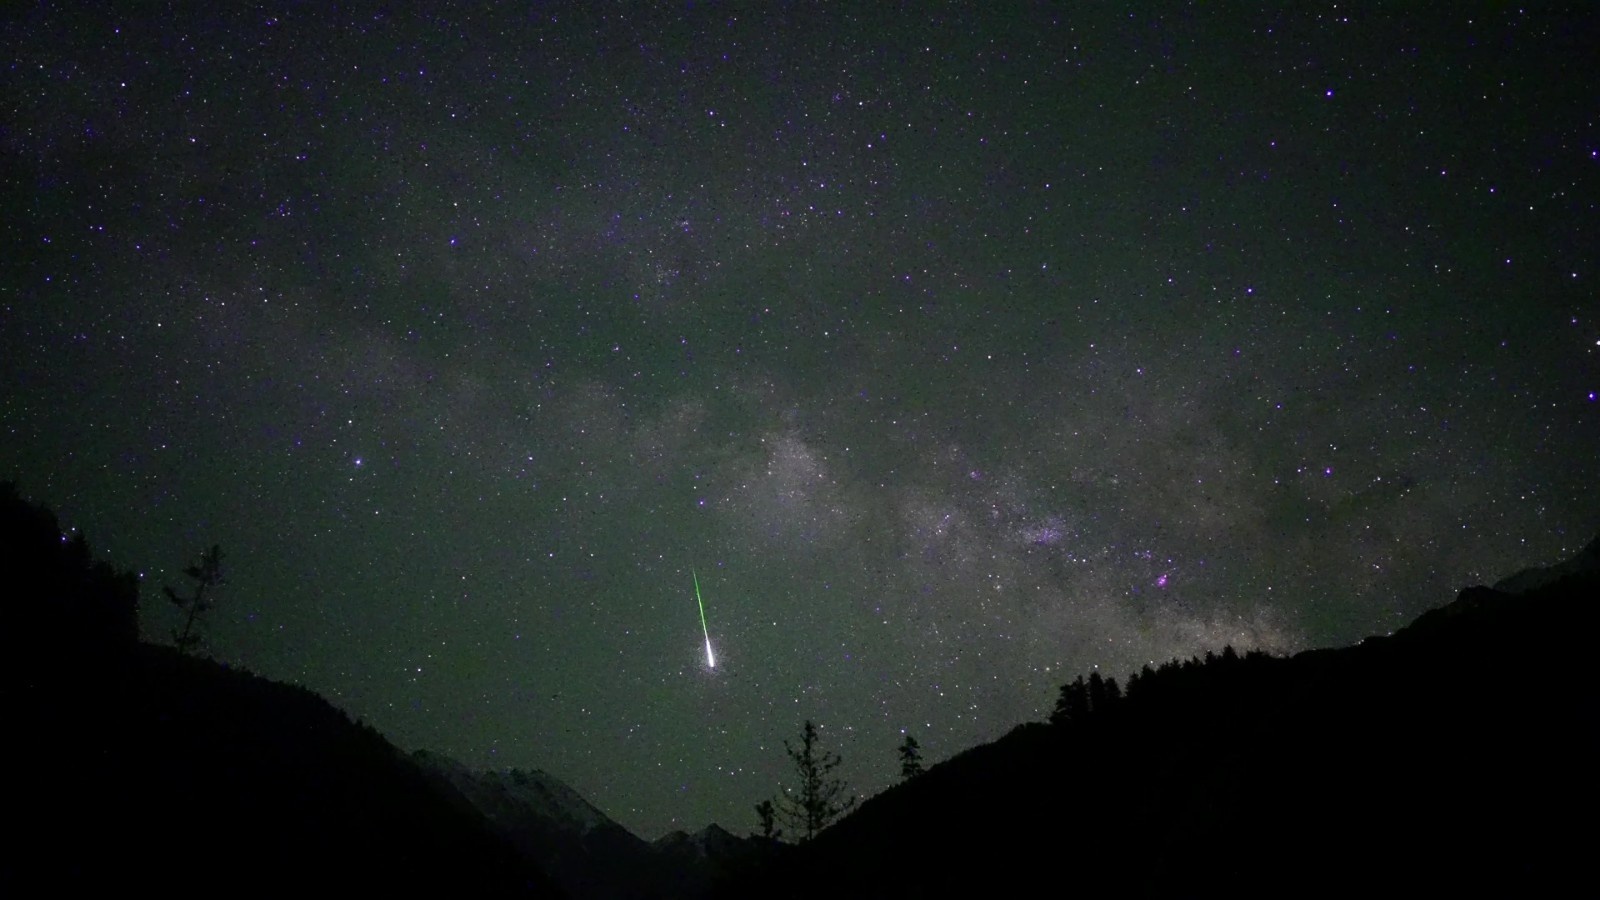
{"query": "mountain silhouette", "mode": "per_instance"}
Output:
(1586, 561)
(137, 766)
(1455, 755)
(588, 854)
(176, 774)
(133, 768)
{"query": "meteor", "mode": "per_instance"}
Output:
(711, 661)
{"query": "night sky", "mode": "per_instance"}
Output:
(957, 352)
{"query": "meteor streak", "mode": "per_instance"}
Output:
(711, 661)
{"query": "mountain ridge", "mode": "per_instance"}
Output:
(1585, 562)
(558, 831)
(158, 744)
(1399, 761)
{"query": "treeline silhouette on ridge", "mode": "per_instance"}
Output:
(1456, 755)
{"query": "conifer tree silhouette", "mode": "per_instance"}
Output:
(815, 802)
(1139, 681)
(1073, 703)
(910, 758)
(1103, 692)
(766, 814)
(207, 576)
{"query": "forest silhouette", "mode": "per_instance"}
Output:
(1455, 754)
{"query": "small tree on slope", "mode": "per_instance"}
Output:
(910, 758)
(207, 576)
(819, 798)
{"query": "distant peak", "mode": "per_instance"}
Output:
(519, 792)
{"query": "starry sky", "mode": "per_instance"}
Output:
(957, 350)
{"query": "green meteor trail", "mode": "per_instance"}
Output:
(711, 661)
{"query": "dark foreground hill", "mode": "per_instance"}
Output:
(135, 768)
(131, 769)
(1458, 754)
(1455, 756)
(154, 772)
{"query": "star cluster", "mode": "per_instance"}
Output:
(959, 350)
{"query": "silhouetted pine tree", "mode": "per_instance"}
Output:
(910, 758)
(207, 576)
(766, 815)
(1073, 703)
(1103, 692)
(1139, 682)
(815, 802)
